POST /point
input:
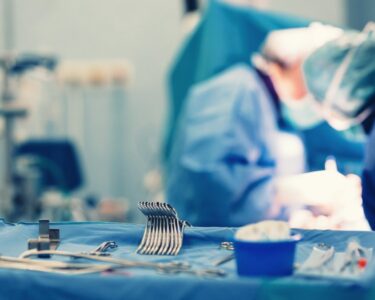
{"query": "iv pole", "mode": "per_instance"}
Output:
(7, 110)
(13, 65)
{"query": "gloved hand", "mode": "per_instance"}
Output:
(320, 188)
(326, 200)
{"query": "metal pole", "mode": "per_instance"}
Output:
(7, 97)
(8, 28)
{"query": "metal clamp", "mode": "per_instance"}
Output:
(104, 249)
(48, 238)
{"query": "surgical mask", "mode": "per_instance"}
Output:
(303, 113)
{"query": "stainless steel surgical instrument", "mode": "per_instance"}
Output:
(164, 231)
(173, 267)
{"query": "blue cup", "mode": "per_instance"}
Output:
(265, 258)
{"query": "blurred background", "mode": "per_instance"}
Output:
(90, 79)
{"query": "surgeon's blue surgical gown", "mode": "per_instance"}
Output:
(322, 141)
(368, 180)
(223, 159)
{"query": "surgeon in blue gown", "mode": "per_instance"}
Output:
(219, 165)
(346, 92)
(223, 161)
(227, 35)
(221, 169)
(219, 154)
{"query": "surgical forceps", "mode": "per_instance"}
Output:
(226, 246)
(163, 233)
(103, 249)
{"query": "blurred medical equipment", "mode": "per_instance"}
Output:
(83, 100)
(354, 254)
(58, 162)
(226, 35)
(93, 112)
(95, 72)
(58, 167)
(13, 67)
(318, 258)
(57, 140)
(224, 158)
(164, 231)
(325, 262)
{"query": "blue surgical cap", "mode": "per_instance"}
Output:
(341, 76)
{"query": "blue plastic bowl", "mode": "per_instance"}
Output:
(269, 258)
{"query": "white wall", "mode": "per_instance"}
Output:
(2, 25)
(331, 11)
(143, 31)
